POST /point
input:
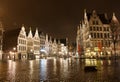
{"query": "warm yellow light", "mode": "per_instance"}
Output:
(37, 57)
(10, 52)
(14, 48)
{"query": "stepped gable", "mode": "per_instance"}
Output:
(101, 16)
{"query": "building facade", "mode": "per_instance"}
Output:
(47, 45)
(42, 43)
(36, 44)
(50, 46)
(93, 35)
(115, 35)
(22, 43)
(54, 47)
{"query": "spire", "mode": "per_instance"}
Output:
(80, 24)
(54, 40)
(114, 19)
(66, 41)
(59, 41)
(30, 34)
(22, 31)
(23, 28)
(106, 17)
(85, 14)
(50, 39)
(94, 12)
(36, 33)
(46, 37)
(78, 30)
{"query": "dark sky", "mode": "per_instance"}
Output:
(58, 18)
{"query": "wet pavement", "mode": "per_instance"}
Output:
(59, 70)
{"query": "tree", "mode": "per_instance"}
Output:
(114, 27)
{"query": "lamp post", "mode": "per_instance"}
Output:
(14, 49)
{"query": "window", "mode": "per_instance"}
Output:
(91, 35)
(107, 28)
(97, 35)
(108, 35)
(93, 22)
(90, 28)
(96, 22)
(94, 35)
(105, 36)
(104, 28)
(102, 42)
(100, 28)
(101, 35)
(94, 29)
(97, 28)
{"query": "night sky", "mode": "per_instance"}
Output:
(58, 18)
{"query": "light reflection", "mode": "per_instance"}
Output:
(101, 62)
(109, 62)
(65, 65)
(69, 61)
(90, 62)
(43, 69)
(54, 65)
(31, 67)
(61, 68)
(61, 62)
(11, 69)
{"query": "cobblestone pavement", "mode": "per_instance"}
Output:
(59, 70)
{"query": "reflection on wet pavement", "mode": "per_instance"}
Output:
(59, 69)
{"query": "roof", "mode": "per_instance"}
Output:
(102, 17)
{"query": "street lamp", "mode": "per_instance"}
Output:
(14, 49)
